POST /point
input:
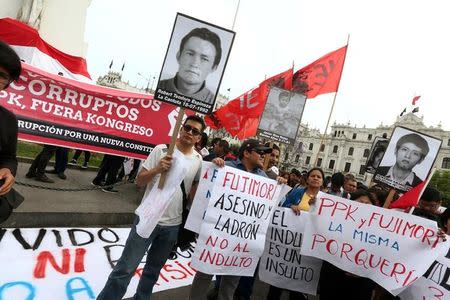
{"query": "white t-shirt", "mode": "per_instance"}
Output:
(172, 215)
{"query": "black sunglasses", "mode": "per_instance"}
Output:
(188, 128)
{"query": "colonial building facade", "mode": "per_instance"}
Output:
(347, 147)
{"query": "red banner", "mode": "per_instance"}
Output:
(321, 76)
(55, 110)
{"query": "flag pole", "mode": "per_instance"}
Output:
(332, 105)
(235, 15)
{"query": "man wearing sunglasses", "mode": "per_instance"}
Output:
(164, 236)
(10, 69)
(250, 159)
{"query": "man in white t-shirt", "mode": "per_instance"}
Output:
(164, 236)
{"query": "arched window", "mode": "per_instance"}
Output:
(335, 149)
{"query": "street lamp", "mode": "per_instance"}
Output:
(148, 81)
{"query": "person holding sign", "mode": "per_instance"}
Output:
(198, 56)
(298, 199)
(250, 159)
(410, 150)
(338, 284)
(164, 236)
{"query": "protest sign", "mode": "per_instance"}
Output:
(434, 284)
(202, 196)
(194, 64)
(281, 263)
(155, 203)
(73, 263)
(234, 229)
(54, 110)
(282, 114)
(408, 159)
(392, 248)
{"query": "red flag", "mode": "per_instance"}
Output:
(415, 99)
(410, 198)
(321, 76)
(31, 48)
(240, 117)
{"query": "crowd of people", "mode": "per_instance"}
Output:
(252, 156)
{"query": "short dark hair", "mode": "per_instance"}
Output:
(196, 118)
(361, 193)
(207, 35)
(215, 141)
(10, 61)
(284, 94)
(204, 140)
(224, 144)
(444, 218)
(431, 195)
(337, 179)
(416, 140)
(274, 146)
(296, 172)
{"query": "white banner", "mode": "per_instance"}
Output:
(392, 248)
(202, 196)
(433, 285)
(72, 263)
(234, 229)
(156, 202)
(281, 263)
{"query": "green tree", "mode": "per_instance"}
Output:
(441, 181)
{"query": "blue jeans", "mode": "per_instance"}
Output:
(162, 240)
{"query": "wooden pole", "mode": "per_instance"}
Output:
(389, 198)
(173, 140)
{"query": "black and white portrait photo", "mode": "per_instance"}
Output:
(282, 115)
(408, 159)
(194, 64)
(376, 154)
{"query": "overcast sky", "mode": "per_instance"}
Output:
(397, 49)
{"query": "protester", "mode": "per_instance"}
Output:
(350, 185)
(200, 146)
(61, 161)
(10, 69)
(295, 177)
(337, 182)
(109, 169)
(87, 157)
(220, 149)
(250, 159)
(445, 221)
(428, 205)
(336, 283)
(298, 198)
(164, 236)
(37, 167)
(198, 56)
(272, 165)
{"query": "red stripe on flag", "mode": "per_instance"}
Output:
(16, 33)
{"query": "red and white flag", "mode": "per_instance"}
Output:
(415, 99)
(33, 50)
(321, 76)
